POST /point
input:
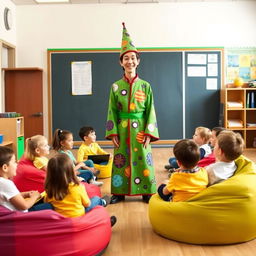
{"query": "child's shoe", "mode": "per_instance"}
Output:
(106, 200)
(113, 220)
(97, 183)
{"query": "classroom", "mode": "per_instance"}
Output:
(193, 53)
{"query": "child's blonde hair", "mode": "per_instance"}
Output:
(204, 133)
(231, 144)
(31, 145)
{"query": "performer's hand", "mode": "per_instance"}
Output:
(146, 141)
(115, 141)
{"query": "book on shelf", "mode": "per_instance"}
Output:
(235, 104)
(250, 100)
(252, 125)
(235, 123)
(9, 114)
(252, 105)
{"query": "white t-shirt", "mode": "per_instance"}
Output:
(7, 191)
(220, 171)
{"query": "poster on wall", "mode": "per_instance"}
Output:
(81, 77)
(240, 62)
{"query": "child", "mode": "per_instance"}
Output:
(215, 132)
(64, 191)
(37, 149)
(10, 197)
(228, 147)
(63, 143)
(189, 179)
(89, 145)
(201, 138)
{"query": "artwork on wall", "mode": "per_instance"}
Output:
(240, 62)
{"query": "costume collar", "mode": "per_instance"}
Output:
(132, 81)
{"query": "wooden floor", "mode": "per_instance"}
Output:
(133, 236)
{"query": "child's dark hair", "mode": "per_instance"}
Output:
(85, 131)
(187, 152)
(218, 130)
(5, 155)
(59, 136)
(231, 143)
(60, 173)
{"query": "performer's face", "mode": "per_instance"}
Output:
(130, 62)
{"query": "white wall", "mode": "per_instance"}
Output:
(8, 35)
(150, 25)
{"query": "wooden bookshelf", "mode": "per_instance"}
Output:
(240, 114)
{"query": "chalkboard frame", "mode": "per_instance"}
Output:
(116, 50)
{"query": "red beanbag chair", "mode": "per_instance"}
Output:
(28, 177)
(206, 160)
(47, 233)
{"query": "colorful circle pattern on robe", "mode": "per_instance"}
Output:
(149, 159)
(151, 127)
(115, 87)
(117, 180)
(135, 125)
(140, 96)
(119, 160)
(127, 171)
(132, 106)
(140, 137)
(124, 124)
(119, 106)
(146, 172)
(137, 180)
(123, 92)
(110, 125)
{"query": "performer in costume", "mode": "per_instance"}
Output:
(131, 125)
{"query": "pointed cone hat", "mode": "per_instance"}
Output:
(127, 45)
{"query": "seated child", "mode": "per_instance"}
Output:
(89, 145)
(63, 143)
(201, 138)
(210, 159)
(37, 149)
(189, 179)
(64, 191)
(228, 147)
(10, 197)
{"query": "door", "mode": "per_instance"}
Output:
(23, 94)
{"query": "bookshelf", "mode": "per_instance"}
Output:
(240, 112)
(13, 131)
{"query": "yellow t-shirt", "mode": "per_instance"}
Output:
(73, 203)
(184, 185)
(40, 162)
(93, 149)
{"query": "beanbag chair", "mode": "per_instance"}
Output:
(105, 170)
(47, 233)
(206, 161)
(28, 177)
(224, 213)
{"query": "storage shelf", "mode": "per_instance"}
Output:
(245, 114)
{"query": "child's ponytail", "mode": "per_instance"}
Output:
(59, 136)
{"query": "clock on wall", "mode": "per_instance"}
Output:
(7, 18)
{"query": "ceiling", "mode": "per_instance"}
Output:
(33, 2)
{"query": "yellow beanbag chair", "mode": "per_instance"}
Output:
(224, 213)
(105, 170)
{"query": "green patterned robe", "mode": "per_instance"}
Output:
(131, 115)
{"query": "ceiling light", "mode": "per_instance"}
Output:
(52, 1)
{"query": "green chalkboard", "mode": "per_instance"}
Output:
(162, 69)
(165, 71)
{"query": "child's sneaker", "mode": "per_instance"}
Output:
(106, 200)
(97, 183)
(113, 220)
